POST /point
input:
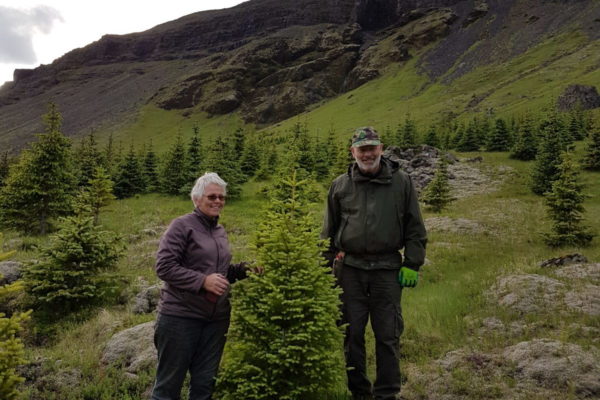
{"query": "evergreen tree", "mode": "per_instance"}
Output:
(576, 128)
(11, 346)
(87, 159)
(431, 138)
(387, 138)
(129, 180)
(173, 173)
(4, 168)
(437, 194)
(194, 162)
(342, 161)
(76, 269)
(409, 133)
(322, 163)
(150, 170)
(565, 207)
(525, 147)
(591, 159)
(284, 321)
(40, 186)
(547, 160)
(457, 137)
(222, 159)
(97, 194)
(268, 163)
(499, 139)
(469, 140)
(332, 147)
(250, 162)
(302, 147)
(239, 142)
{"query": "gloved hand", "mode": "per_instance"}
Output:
(408, 277)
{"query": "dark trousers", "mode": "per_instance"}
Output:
(183, 345)
(375, 294)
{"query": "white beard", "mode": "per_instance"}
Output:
(369, 169)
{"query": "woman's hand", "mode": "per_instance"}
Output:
(216, 284)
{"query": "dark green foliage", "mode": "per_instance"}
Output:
(565, 207)
(97, 194)
(470, 139)
(342, 161)
(457, 137)
(591, 159)
(222, 159)
(268, 163)
(194, 162)
(4, 167)
(284, 332)
(251, 156)
(499, 139)
(129, 180)
(431, 137)
(76, 269)
(150, 170)
(577, 125)
(437, 193)
(525, 147)
(239, 142)
(302, 147)
(40, 186)
(547, 160)
(173, 174)
(87, 159)
(387, 137)
(409, 133)
(322, 163)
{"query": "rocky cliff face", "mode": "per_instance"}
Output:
(269, 59)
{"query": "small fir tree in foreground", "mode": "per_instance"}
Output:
(499, 139)
(130, 179)
(11, 347)
(284, 329)
(76, 269)
(41, 185)
(437, 194)
(173, 174)
(431, 137)
(565, 208)
(591, 159)
(150, 170)
(98, 194)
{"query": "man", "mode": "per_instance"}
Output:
(372, 213)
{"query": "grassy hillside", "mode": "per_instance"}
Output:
(442, 314)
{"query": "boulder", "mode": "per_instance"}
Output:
(527, 293)
(554, 364)
(574, 96)
(146, 300)
(567, 259)
(585, 300)
(588, 272)
(10, 271)
(133, 348)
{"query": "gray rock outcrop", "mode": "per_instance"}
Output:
(10, 271)
(527, 293)
(554, 364)
(133, 348)
(585, 97)
(146, 300)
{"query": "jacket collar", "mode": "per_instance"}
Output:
(209, 222)
(388, 167)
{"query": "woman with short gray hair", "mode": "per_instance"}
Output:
(193, 260)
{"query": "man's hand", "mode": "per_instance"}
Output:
(216, 284)
(408, 277)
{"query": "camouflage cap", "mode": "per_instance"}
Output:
(365, 136)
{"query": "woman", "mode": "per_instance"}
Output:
(193, 315)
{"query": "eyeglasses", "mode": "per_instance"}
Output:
(213, 197)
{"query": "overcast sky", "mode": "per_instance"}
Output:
(34, 32)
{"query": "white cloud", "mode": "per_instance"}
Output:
(18, 28)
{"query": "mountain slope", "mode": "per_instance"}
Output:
(264, 61)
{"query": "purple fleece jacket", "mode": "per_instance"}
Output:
(193, 247)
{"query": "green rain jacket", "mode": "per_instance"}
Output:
(372, 218)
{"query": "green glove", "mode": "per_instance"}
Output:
(408, 277)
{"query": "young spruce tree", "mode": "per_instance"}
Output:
(525, 147)
(547, 159)
(284, 327)
(591, 159)
(41, 185)
(11, 346)
(565, 207)
(437, 194)
(76, 269)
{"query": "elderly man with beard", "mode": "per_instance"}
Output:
(372, 214)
